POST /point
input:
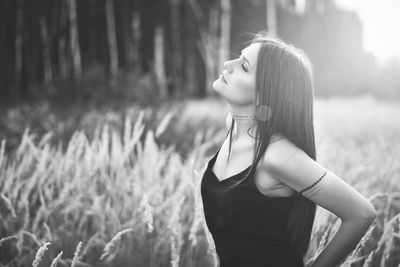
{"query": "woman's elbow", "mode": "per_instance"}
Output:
(368, 211)
(366, 215)
(370, 214)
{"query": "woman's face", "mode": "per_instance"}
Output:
(238, 78)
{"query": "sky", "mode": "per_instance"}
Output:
(381, 26)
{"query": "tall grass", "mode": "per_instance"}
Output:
(93, 190)
(118, 201)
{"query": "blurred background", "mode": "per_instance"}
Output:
(62, 60)
(108, 117)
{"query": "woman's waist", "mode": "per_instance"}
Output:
(272, 252)
(266, 261)
(255, 247)
(233, 236)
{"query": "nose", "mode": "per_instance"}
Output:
(227, 65)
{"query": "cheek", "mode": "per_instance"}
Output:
(245, 87)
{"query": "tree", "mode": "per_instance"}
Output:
(18, 45)
(271, 17)
(225, 38)
(74, 40)
(111, 37)
(48, 72)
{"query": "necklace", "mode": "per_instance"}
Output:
(243, 117)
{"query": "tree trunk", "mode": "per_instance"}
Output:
(207, 43)
(191, 59)
(48, 72)
(134, 48)
(159, 62)
(63, 63)
(176, 48)
(93, 38)
(211, 51)
(271, 17)
(147, 26)
(18, 46)
(74, 39)
(224, 46)
(32, 47)
(112, 38)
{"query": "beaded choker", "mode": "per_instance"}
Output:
(243, 117)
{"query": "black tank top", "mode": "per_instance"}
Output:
(248, 228)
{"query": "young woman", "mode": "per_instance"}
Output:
(261, 188)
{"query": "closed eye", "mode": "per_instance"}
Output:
(245, 60)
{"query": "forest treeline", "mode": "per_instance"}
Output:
(181, 44)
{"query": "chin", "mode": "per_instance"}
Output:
(217, 85)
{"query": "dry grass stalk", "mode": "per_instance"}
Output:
(198, 211)
(174, 219)
(56, 260)
(20, 241)
(7, 204)
(47, 230)
(89, 243)
(323, 240)
(162, 126)
(148, 213)
(368, 261)
(361, 244)
(211, 245)
(114, 243)
(2, 149)
(175, 257)
(77, 255)
(7, 238)
(176, 232)
(197, 217)
(39, 254)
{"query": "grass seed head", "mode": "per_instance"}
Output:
(39, 254)
(114, 243)
(6, 203)
(77, 255)
(56, 259)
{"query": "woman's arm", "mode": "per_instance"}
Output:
(343, 242)
(291, 165)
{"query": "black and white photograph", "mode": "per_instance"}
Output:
(199, 133)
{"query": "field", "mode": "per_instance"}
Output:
(119, 197)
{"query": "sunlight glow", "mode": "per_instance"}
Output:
(381, 26)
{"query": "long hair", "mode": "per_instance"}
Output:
(285, 90)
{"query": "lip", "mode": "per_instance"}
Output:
(223, 77)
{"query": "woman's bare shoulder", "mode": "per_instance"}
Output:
(280, 148)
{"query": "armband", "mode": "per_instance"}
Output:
(317, 185)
